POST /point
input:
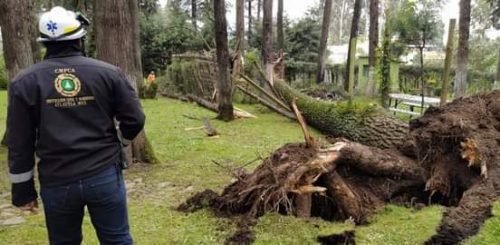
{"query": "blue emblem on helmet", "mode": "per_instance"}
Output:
(52, 27)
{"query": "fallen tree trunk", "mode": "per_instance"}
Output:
(364, 124)
(456, 163)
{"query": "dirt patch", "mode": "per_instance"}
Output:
(244, 234)
(345, 238)
(204, 199)
(450, 158)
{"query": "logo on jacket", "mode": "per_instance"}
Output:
(67, 85)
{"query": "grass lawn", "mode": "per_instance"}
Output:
(186, 167)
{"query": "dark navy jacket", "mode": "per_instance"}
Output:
(64, 110)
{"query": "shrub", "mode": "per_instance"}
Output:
(3, 75)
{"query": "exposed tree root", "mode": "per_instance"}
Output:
(451, 157)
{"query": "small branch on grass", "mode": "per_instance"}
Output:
(195, 128)
(209, 128)
(191, 117)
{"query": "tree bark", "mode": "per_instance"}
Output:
(240, 36)
(447, 62)
(497, 80)
(240, 25)
(279, 26)
(341, 21)
(460, 87)
(354, 35)
(323, 42)
(259, 8)
(372, 46)
(118, 20)
(267, 38)
(224, 86)
(249, 35)
(368, 126)
(16, 22)
(194, 14)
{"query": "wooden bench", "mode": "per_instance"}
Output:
(404, 111)
(411, 104)
(411, 101)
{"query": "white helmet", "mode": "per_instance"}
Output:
(60, 24)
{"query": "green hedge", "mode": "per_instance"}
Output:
(3, 74)
(409, 79)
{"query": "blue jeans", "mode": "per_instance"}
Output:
(105, 197)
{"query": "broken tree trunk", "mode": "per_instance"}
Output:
(266, 103)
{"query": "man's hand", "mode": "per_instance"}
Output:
(31, 207)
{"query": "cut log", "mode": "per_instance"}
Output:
(203, 103)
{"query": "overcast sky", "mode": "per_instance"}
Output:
(296, 9)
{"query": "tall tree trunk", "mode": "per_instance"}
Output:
(118, 20)
(240, 24)
(249, 35)
(463, 49)
(422, 72)
(194, 15)
(267, 38)
(240, 36)
(279, 26)
(447, 62)
(353, 36)
(259, 8)
(327, 12)
(341, 21)
(224, 82)
(372, 46)
(497, 79)
(16, 22)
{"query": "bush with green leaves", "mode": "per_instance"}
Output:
(3, 74)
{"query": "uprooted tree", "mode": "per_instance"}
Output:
(448, 156)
